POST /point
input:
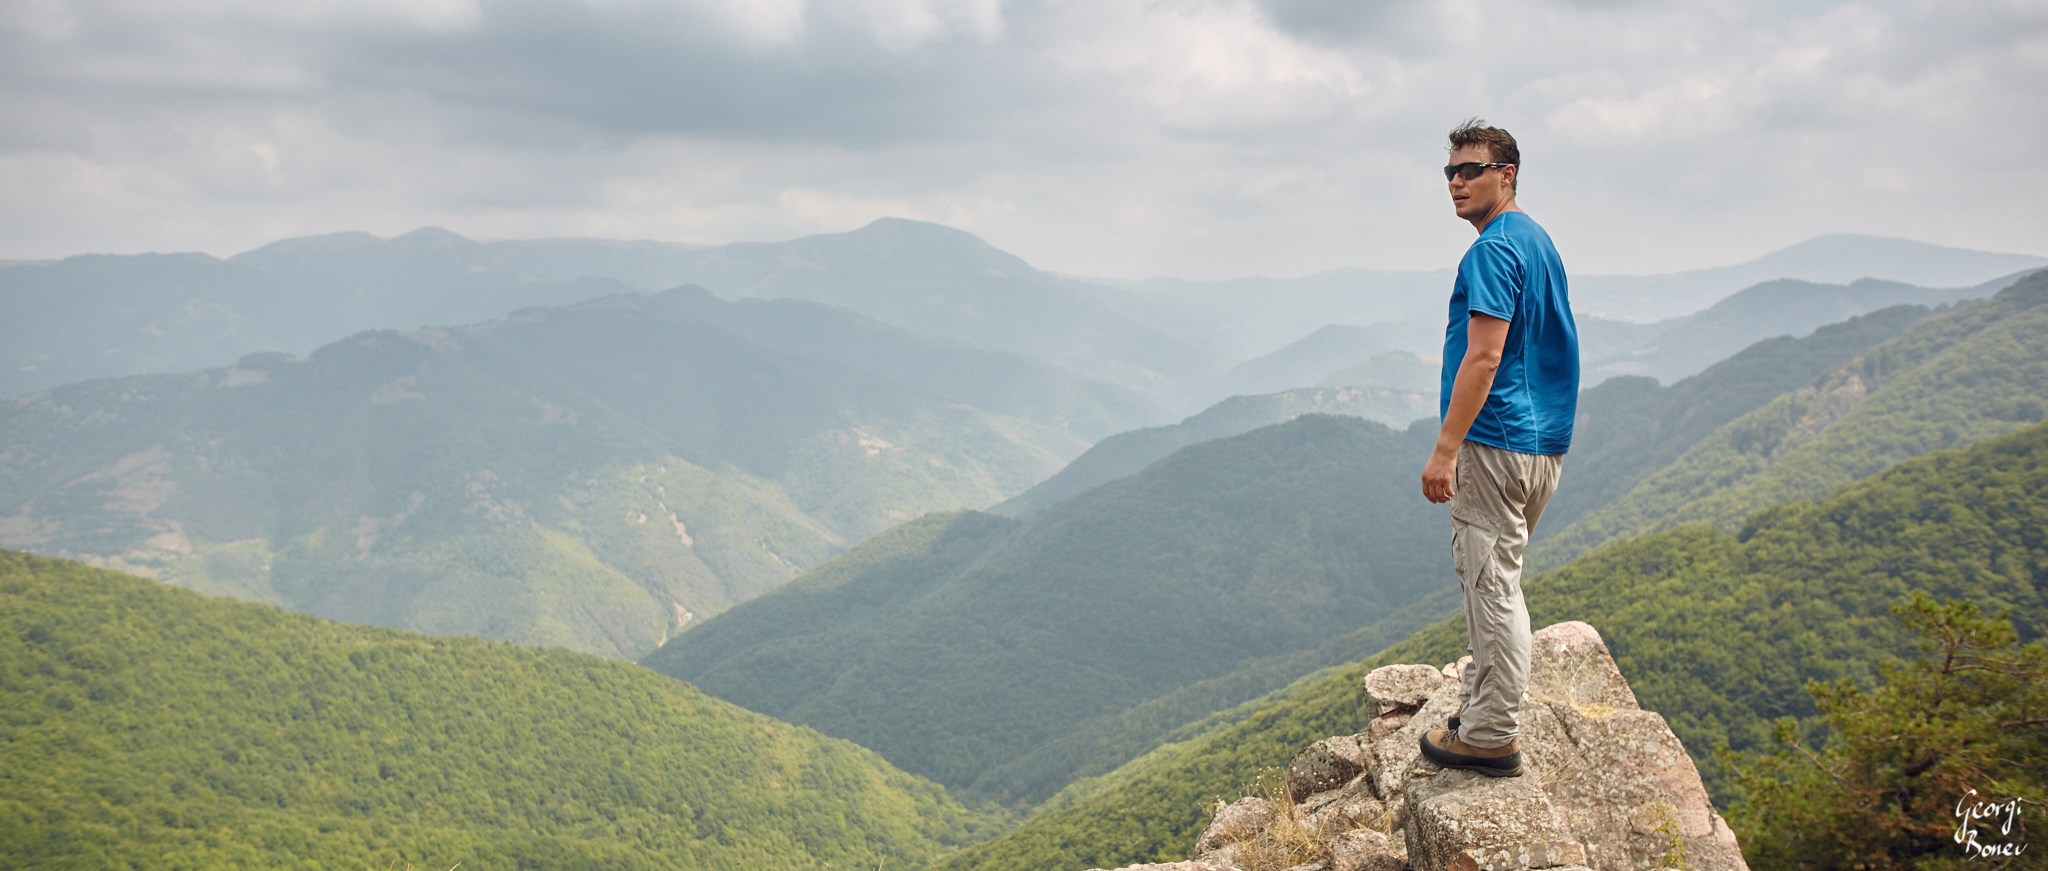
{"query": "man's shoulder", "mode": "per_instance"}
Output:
(1519, 226)
(1500, 245)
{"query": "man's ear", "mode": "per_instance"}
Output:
(1508, 174)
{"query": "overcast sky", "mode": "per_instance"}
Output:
(1097, 137)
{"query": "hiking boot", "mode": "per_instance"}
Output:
(1446, 749)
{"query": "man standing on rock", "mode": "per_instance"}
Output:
(1510, 391)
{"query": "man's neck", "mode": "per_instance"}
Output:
(1480, 224)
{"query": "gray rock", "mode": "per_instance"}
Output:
(1349, 747)
(1176, 866)
(1394, 755)
(1326, 765)
(1383, 726)
(1464, 821)
(1342, 809)
(1238, 821)
(1360, 848)
(1569, 663)
(1234, 855)
(1615, 773)
(1395, 689)
(1632, 795)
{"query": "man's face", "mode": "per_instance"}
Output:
(1483, 196)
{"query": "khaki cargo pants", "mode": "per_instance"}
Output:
(1496, 500)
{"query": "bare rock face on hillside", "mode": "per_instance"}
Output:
(1606, 785)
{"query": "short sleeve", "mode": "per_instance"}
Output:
(1493, 279)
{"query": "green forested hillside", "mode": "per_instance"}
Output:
(1717, 631)
(968, 647)
(1953, 379)
(143, 726)
(1127, 453)
(593, 477)
(1631, 427)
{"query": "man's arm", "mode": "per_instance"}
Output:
(1485, 336)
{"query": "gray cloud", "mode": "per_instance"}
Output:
(1194, 137)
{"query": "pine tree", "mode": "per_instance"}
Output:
(1938, 768)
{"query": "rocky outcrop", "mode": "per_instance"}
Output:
(1606, 785)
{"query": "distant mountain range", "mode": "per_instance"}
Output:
(595, 477)
(1667, 350)
(1264, 314)
(1170, 340)
(1834, 259)
(97, 316)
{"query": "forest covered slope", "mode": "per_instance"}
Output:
(144, 726)
(958, 646)
(1952, 379)
(1129, 452)
(1717, 630)
(1630, 427)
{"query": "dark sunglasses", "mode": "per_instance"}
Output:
(1470, 171)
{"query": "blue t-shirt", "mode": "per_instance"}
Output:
(1513, 273)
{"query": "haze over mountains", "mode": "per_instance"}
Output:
(902, 488)
(1667, 350)
(593, 477)
(102, 315)
(1267, 313)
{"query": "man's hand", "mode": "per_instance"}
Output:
(1485, 335)
(1439, 474)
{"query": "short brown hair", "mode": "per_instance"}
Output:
(1498, 142)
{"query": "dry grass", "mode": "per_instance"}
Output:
(1286, 843)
